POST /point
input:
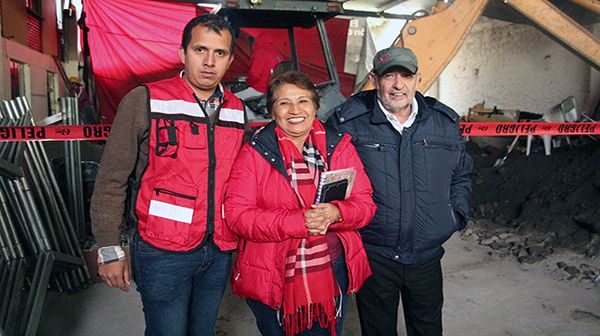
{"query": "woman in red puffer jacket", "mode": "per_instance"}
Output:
(297, 262)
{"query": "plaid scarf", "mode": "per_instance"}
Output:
(310, 288)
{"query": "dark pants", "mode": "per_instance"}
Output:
(266, 317)
(181, 292)
(420, 286)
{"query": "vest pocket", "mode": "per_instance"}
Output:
(195, 136)
(171, 212)
(166, 138)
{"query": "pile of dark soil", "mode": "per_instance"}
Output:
(531, 206)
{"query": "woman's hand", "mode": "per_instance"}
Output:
(320, 216)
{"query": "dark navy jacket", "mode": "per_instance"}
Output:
(421, 179)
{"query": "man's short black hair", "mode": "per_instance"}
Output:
(211, 21)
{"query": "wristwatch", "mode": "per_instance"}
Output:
(109, 254)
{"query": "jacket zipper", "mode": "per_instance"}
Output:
(237, 276)
(159, 191)
(375, 146)
(212, 163)
(430, 144)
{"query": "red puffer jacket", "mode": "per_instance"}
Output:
(261, 206)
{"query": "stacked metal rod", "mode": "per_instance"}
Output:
(12, 252)
(36, 230)
(68, 106)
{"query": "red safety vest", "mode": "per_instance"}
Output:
(179, 203)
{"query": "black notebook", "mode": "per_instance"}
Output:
(334, 191)
(335, 185)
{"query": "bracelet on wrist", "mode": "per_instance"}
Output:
(110, 254)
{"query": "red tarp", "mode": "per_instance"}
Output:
(136, 41)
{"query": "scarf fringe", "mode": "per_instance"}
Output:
(304, 318)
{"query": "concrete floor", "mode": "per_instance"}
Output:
(484, 295)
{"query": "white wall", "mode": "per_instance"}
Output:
(514, 66)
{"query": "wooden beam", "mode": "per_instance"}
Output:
(560, 27)
(593, 5)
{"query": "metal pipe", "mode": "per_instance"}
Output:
(9, 291)
(19, 120)
(7, 148)
(68, 168)
(28, 193)
(45, 192)
(63, 282)
(65, 243)
(16, 154)
(42, 207)
(73, 165)
(11, 225)
(4, 121)
(18, 212)
(4, 273)
(61, 203)
(74, 181)
(7, 249)
(3, 277)
(327, 51)
(32, 213)
(35, 300)
(44, 196)
(14, 305)
(54, 195)
(42, 188)
(293, 48)
(38, 178)
(65, 222)
(4, 250)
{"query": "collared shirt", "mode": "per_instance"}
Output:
(211, 104)
(398, 126)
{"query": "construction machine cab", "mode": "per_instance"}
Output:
(284, 14)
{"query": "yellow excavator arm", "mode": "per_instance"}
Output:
(435, 39)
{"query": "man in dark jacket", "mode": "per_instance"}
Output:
(413, 153)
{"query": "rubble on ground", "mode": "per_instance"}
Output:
(530, 207)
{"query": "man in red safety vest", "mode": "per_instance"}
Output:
(165, 165)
